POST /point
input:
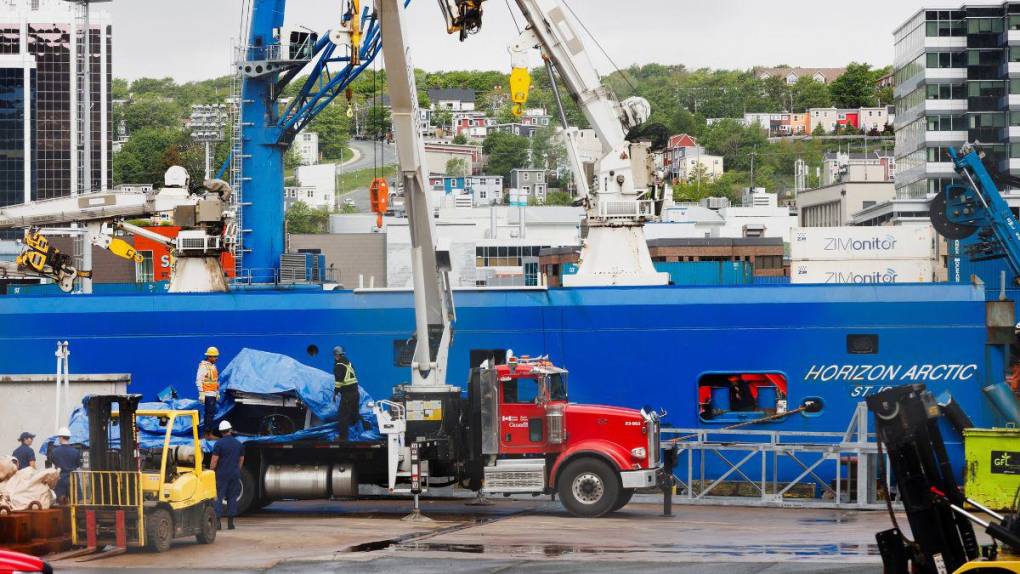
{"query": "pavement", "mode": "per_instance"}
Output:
(367, 154)
(521, 535)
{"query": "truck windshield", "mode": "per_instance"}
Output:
(558, 387)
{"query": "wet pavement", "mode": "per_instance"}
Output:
(516, 535)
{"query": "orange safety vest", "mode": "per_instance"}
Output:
(211, 382)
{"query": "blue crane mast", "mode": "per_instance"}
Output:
(975, 208)
(268, 63)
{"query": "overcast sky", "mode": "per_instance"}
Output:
(192, 39)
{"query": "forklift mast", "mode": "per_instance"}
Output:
(102, 454)
(906, 422)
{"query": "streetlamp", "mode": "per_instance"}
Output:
(207, 123)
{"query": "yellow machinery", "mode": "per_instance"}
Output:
(39, 257)
(135, 497)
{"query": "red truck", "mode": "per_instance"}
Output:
(513, 432)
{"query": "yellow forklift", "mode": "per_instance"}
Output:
(131, 496)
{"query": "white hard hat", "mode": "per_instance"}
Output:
(64, 432)
(225, 426)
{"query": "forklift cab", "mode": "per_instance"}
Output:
(522, 406)
(173, 474)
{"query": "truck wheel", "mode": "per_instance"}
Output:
(246, 500)
(159, 530)
(589, 488)
(625, 496)
(207, 527)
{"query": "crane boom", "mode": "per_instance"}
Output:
(433, 299)
(625, 189)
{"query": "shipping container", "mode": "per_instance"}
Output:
(858, 272)
(708, 272)
(862, 243)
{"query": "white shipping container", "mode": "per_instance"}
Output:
(862, 272)
(862, 243)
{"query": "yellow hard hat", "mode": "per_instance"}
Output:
(212, 352)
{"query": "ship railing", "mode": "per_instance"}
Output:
(750, 462)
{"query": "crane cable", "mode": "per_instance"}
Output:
(599, 45)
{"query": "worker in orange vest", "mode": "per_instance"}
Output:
(208, 382)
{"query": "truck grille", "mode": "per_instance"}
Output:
(515, 476)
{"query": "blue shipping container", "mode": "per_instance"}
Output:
(708, 272)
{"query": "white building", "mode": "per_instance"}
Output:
(307, 146)
(488, 246)
(452, 99)
(317, 185)
(834, 205)
(852, 167)
(697, 220)
(687, 159)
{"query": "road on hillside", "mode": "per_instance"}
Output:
(371, 155)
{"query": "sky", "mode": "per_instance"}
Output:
(192, 39)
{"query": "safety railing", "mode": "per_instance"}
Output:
(749, 461)
(107, 488)
(625, 209)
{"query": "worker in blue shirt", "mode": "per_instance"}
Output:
(227, 460)
(67, 459)
(24, 453)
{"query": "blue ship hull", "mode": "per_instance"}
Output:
(623, 346)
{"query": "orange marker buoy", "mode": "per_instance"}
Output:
(379, 196)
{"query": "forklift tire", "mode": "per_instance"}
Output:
(589, 488)
(159, 530)
(207, 529)
(625, 496)
(246, 501)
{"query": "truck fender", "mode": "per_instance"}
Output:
(613, 454)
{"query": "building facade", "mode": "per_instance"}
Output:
(531, 182)
(40, 99)
(307, 146)
(957, 78)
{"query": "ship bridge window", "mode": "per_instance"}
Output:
(727, 398)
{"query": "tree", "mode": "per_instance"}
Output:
(855, 88)
(148, 154)
(291, 159)
(460, 139)
(558, 198)
(334, 130)
(378, 123)
(807, 94)
(819, 130)
(457, 167)
(506, 152)
(735, 142)
(304, 219)
(442, 119)
(151, 111)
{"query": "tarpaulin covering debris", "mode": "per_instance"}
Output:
(255, 372)
(29, 488)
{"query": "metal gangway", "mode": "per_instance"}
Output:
(751, 460)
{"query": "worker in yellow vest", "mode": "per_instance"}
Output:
(208, 382)
(346, 386)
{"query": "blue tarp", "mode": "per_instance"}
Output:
(253, 372)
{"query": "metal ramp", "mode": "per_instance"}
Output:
(752, 458)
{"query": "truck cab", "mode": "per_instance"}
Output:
(533, 440)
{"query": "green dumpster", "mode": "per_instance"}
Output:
(993, 466)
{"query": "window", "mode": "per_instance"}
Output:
(527, 176)
(731, 397)
(946, 59)
(984, 25)
(143, 271)
(521, 391)
(311, 193)
(993, 120)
